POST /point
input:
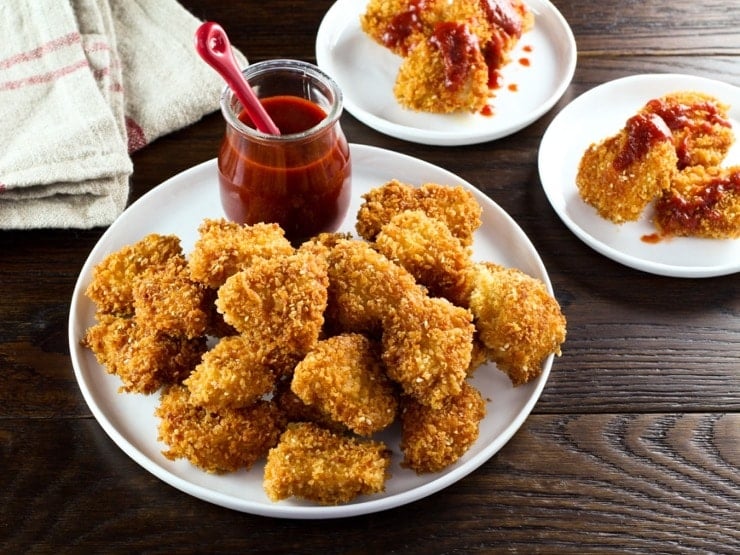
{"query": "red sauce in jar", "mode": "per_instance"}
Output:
(458, 47)
(643, 131)
(678, 214)
(303, 185)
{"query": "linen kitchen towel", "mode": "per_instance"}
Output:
(83, 83)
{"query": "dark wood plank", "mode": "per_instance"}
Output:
(628, 483)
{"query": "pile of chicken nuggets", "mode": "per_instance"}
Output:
(451, 49)
(300, 355)
(669, 154)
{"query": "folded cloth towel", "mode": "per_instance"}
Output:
(83, 83)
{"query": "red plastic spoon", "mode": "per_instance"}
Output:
(214, 47)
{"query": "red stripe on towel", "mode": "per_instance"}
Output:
(51, 46)
(43, 77)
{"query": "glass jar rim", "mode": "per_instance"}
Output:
(297, 67)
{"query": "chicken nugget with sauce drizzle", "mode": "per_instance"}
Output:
(622, 174)
(216, 441)
(111, 287)
(455, 206)
(701, 130)
(278, 303)
(316, 464)
(517, 319)
(702, 202)
(427, 346)
(434, 438)
(224, 248)
(343, 377)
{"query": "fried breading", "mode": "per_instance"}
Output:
(294, 409)
(455, 206)
(427, 249)
(232, 374)
(222, 441)
(430, 79)
(278, 303)
(167, 300)
(702, 202)
(363, 287)
(622, 174)
(517, 319)
(111, 287)
(144, 360)
(399, 24)
(427, 345)
(434, 438)
(315, 464)
(343, 377)
(702, 132)
(224, 248)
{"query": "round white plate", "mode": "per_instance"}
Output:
(366, 72)
(602, 112)
(178, 206)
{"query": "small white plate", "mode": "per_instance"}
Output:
(366, 72)
(602, 112)
(178, 206)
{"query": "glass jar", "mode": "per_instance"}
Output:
(300, 179)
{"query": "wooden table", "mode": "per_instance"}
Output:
(634, 445)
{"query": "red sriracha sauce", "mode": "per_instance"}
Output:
(300, 180)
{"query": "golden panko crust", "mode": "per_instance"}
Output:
(455, 206)
(111, 287)
(517, 319)
(315, 464)
(344, 378)
(222, 441)
(434, 438)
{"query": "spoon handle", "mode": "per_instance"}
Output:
(212, 44)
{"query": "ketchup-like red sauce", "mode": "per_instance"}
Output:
(493, 55)
(678, 214)
(643, 131)
(303, 185)
(502, 14)
(458, 47)
(403, 24)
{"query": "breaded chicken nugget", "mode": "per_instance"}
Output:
(622, 174)
(224, 248)
(446, 72)
(400, 24)
(702, 132)
(517, 319)
(455, 206)
(702, 202)
(343, 377)
(428, 250)
(434, 438)
(111, 288)
(278, 303)
(222, 441)
(232, 374)
(427, 346)
(142, 359)
(363, 287)
(167, 300)
(315, 464)
(294, 409)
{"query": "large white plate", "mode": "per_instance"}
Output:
(602, 112)
(366, 72)
(178, 206)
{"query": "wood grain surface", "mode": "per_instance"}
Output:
(633, 447)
